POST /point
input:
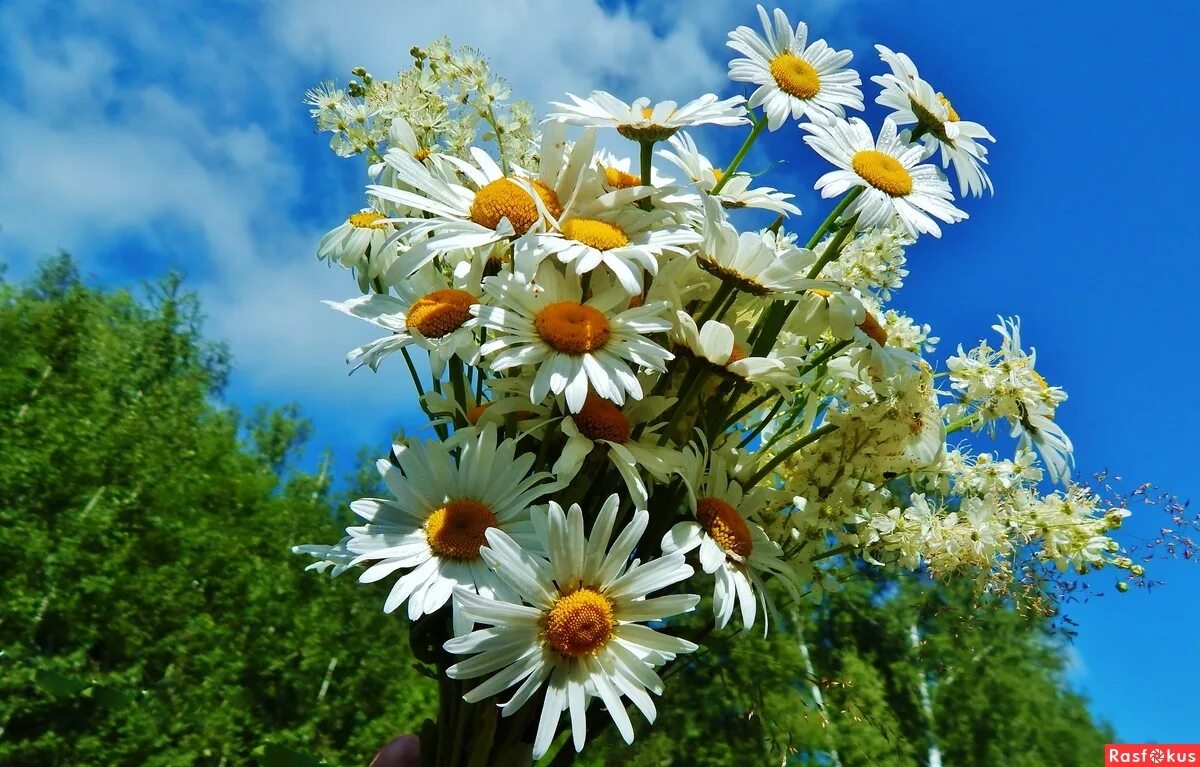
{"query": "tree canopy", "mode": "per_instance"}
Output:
(152, 613)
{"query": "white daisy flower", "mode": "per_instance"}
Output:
(718, 344)
(751, 261)
(435, 527)
(402, 137)
(915, 102)
(363, 243)
(619, 173)
(576, 629)
(499, 207)
(600, 423)
(889, 172)
(429, 310)
(574, 343)
(821, 309)
(628, 241)
(641, 122)
(736, 551)
(736, 193)
(793, 76)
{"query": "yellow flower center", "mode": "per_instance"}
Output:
(946, 103)
(874, 330)
(601, 419)
(579, 623)
(646, 112)
(421, 154)
(883, 172)
(504, 198)
(723, 523)
(595, 233)
(717, 174)
(820, 292)
(455, 531)
(795, 76)
(367, 219)
(440, 312)
(572, 328)
(620, 179)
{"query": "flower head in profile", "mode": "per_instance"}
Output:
(577, 627)
(736, 192)
(794, 77)
(430, 310)
(434, 528)
(364, 242)
(916, 102)
(733, 549)
(889, 171)
(574, 341)
(642, 122)
(628, 436)
(759, 264)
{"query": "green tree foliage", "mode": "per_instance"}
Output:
(994, 677)
(151, 612)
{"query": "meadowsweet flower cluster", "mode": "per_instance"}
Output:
(635, 400)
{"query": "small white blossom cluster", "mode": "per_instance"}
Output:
(447, 101)
(611, 365)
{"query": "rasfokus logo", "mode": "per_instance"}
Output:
(1151, 753)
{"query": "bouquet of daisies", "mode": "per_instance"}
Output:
(636, 404)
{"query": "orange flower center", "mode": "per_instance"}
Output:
(601, 419)
(440, 312)
(738, 353)
(882, 171)
(455, 531)
(725, 525)
(572, 327)
(504, 198)
(795, 76)
(874, 330)
(475, 412)
(579, 623)
(595, 233)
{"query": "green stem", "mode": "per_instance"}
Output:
(459, 382)
(788, 452)
(967, 420)
(833, 552)
(647, 160)
(647, 167)
(761, 424)
(832, 250)
(748, 409)
(736, 162)
(718, 299)
(828, 224)
(830, 352)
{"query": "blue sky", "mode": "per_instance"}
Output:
(143, 137)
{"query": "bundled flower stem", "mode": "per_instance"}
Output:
(633, 402)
